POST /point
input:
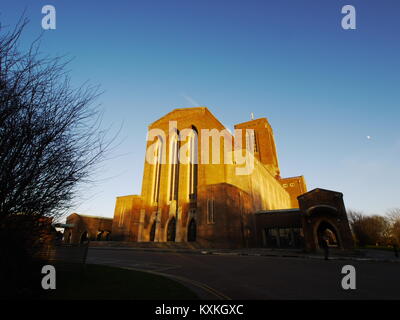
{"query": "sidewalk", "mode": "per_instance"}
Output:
(357, 255)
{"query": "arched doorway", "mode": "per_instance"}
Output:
(99, 235)
(107, 235)
(84, 237)
(153, 231)
(192, 230)
(327, 232)
(171, 231)
(67, 238)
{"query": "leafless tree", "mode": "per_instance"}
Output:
(369, 230)
(393, 216)
(50, 139)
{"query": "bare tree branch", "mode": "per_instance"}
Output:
(50, 132)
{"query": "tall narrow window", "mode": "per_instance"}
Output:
(251, 141)
(192, 231)
(174, 169)
(157, 170)
(121, 215)
(193, 166)
(210, 211)
(153, 231)
(255, 142)
(171, 230)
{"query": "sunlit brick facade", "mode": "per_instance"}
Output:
(212, 204)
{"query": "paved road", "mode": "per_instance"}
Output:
(247, 277)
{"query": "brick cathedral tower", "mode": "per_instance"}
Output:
(264, 143)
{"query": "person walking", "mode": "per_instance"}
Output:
(395, 249)
(325, 246)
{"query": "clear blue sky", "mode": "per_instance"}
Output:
(323, 89)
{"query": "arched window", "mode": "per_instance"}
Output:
(193, 163)
(174, 168)
(157, 169)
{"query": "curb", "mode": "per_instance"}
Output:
(217, 253)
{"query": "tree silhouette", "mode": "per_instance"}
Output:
(50, 141)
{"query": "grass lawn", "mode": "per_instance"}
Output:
(103, 282)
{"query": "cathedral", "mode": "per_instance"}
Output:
(203, 184)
